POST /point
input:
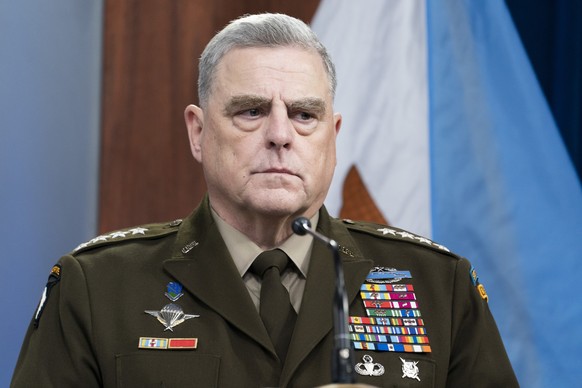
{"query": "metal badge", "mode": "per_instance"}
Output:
(384, 275)
(188, 247)
(174, 291)
(369, 368)
(171, 315)
(410, 369)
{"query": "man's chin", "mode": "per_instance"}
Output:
(277, 206)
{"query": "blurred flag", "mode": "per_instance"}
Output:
(446, 133)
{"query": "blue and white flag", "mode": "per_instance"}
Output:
(447, 126)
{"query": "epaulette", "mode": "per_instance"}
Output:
(390, 232)
(144, 232)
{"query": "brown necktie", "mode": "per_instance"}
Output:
(275, 308)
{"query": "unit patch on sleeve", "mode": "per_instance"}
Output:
(479, 286)
(53, 279)
(393, 321)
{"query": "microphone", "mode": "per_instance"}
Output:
(302, 226)
(342, 358)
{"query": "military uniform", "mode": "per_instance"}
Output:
(90, 324)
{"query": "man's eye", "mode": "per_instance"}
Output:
(253, 112)
(304, 116)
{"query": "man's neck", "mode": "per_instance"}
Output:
(267, 232)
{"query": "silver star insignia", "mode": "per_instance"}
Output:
(98, 238)
(406, 235)
(135, 231)
(424, 240)
(387, 230)
(117, 234)
(441, 247)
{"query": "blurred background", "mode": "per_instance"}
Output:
(92, 139)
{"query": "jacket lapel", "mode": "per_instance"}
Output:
(202, 263)
(315, 320)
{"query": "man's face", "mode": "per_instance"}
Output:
(266, 139)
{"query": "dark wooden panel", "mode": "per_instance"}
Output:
(150, 70)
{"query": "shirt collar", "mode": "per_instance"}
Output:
(244, 251)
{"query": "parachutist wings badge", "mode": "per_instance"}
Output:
(171, 315)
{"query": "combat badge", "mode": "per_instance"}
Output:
(53, 279)
(171, 315)
(387, 275)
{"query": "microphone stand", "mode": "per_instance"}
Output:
(343, 360)
(342, 357)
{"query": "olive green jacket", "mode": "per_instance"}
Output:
(92, 321)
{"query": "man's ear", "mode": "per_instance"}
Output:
(337, 122)
(194, 122)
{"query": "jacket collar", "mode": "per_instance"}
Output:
(202, 263)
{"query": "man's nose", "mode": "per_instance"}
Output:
(280, 130)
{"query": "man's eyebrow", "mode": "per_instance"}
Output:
(245, 101)
(309, 104)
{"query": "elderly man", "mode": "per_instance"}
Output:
(230, 297)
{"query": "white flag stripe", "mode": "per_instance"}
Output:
(381, 58)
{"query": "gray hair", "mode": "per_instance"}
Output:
(262, 30)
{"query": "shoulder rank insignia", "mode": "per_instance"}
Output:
(393, 233)
(147, 231)
(53, 279)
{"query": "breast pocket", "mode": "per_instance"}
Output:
(168, 370)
